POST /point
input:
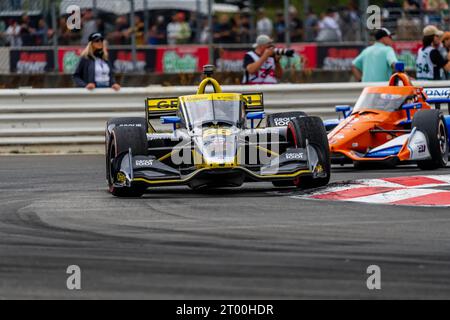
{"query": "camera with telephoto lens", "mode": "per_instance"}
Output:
(284, 52)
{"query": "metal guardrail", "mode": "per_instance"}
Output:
(73, 120)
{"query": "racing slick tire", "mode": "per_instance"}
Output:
(282, 119)
(313, 130)
(121, 140)
(432, 124)
(121, 122)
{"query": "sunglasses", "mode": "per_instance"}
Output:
(97, 40)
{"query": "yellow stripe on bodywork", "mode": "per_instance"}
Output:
(162, 104)
(189, 177)
(212, 96)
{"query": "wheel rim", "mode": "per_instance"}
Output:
(442, 138)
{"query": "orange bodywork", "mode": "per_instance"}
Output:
(353, 137)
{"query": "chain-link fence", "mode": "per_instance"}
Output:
(146, 31)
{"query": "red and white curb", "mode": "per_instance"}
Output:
(406, 191)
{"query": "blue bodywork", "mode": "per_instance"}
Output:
(384, 153)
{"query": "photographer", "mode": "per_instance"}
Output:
(262, 65)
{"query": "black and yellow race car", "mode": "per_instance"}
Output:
(216, 140)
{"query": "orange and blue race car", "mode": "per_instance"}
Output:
(393, 124)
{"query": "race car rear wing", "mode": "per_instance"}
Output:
(438, 96)
(155, 108)
(253, 102)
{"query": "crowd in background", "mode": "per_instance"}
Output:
(337, 24)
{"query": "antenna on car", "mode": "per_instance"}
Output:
(208, 70)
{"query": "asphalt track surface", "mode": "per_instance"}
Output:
(246, 243)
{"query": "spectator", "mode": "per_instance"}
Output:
(280, 26)
(120, 35)
(329, 30)
(66, 36)
(433, 9)
(412, 8)
(296, 25)
(392, 12)
(157, 34)
(222, 30)
(311, 26)
(2, 33)
(446, 42)
(13, 34)
(26, 31)
(178, 31)
(445, 49)
(410, 25)
(89, 26)
(94, 69)
(204, 35)
(261, 65)
(42, 33)
(138, 29)
(349, 23)
(430, 64)
(264, 25)
(376, 62)
(193, 24)
(244, 35)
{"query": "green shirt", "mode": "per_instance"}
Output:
(375, 62)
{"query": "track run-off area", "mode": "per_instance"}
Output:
(253, 242)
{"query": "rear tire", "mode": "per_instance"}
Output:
(313, 130)
(432, 124)
(122, 139)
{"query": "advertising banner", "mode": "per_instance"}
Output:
(337, 57)
(31, 61)
(68, 58)
(183, 59)
(407, 52)
(122, 60)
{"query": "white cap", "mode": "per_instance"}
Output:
(262, 40)
(432, 31)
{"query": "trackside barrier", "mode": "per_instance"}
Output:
(73, 120)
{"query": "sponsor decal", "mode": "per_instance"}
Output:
(441, 93)
(407, 52)
(295, 156)
(282, 122)
(183, 59)
(337, 58)
(68, 59)
(130, 125)
(31, 61)
(144, 163)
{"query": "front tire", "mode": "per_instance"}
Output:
(312, 129)
(432, 124)
(122, 139)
